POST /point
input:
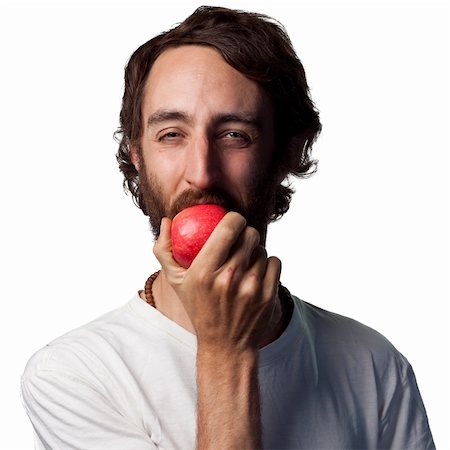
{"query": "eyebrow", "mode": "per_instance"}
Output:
(164, 115)
(248, 119)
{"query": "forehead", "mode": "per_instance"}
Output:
(193, 78)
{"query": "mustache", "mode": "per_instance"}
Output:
(192, 197)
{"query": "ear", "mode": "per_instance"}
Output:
(134, 156)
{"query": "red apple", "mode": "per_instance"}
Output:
(190, 230)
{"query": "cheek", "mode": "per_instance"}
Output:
(243, 169)
(167, 171)
(171, 170)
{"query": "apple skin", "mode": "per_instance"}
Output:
(190, 230)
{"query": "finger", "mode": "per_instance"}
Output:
(217, 248)
(163, 246)
(242, 254)
(250, 284)
(258, 263)
(271, 278)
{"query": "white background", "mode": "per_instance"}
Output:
(367, 236)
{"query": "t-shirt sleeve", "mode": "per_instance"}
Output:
(68, 412)
(404, 423)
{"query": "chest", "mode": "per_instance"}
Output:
(299, 410)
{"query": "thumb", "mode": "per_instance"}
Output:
(163, 252)
(163, 246)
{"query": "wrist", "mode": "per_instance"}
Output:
(220, 357)
(228, 391)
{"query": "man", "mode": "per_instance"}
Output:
(220, 355)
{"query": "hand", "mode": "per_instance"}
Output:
(229, 290)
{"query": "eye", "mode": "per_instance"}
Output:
(234, 134)
(169, 136)
(233, 138)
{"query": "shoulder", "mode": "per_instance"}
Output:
(88, 379)
(349, 344)
(340, 329)
(83, 350)
(363, 370)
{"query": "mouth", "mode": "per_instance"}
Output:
(190, 198)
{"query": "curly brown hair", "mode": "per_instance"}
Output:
(258, 47)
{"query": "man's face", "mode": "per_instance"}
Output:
(208, 136)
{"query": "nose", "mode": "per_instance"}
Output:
(202, 164)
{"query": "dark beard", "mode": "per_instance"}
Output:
(257, 212)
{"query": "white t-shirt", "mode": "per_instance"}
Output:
(127, 381)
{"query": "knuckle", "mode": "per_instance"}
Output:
(259, 257)
(253, 236)
(225, 279)
(160, 251)
(269, 298)
(237, 218)
(233, 223)
(227, 232)
(203, 277)
(157, 250)
(251, 287)
(262, 252)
